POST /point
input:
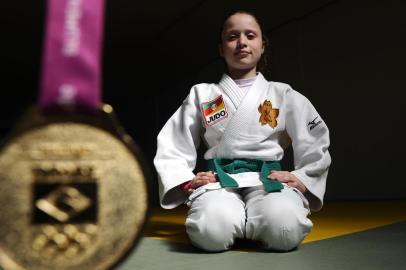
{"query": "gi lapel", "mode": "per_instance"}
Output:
(231, 89)
(232, 97)
(244, 123)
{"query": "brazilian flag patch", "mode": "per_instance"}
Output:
(214, 111)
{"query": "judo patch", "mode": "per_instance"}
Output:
(214, 111)
(268, 114)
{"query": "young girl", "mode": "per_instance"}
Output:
(246, 123)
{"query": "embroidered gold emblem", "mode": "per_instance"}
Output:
(268, 114)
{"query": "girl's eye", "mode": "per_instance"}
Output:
(251, 36)
(232, 37)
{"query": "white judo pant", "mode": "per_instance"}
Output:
(278, 220)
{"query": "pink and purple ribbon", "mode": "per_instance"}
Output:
(71, 72)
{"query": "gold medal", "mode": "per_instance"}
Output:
(73, 193)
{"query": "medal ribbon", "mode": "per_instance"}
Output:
(71, 71)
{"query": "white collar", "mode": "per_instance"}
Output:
(233, 91)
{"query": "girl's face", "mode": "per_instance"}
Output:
(241, 43)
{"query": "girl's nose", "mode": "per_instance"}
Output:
(242, 41)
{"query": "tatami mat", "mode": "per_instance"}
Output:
(352, 236)
(335, 219)
(382, 248)
(346, 236)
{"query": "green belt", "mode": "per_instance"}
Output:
(232, 166)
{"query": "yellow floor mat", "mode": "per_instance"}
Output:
(335, 219)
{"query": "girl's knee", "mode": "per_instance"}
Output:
(279, 227)
(215, 229)
(283, 238)
(214, 226)
(210, 239)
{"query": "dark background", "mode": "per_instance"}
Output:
(347, 57)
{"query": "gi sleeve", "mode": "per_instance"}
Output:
(310, 142)
(176, 155)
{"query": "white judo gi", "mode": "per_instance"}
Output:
(231, 124)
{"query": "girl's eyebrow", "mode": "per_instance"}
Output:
(238, 31)
(251, 30)
(232, 32)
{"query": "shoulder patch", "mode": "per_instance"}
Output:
(214, 110)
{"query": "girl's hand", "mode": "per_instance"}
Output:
(288, 178)
(201, 178)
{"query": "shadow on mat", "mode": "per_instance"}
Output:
(242, 245)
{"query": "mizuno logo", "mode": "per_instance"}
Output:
(313, 123)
